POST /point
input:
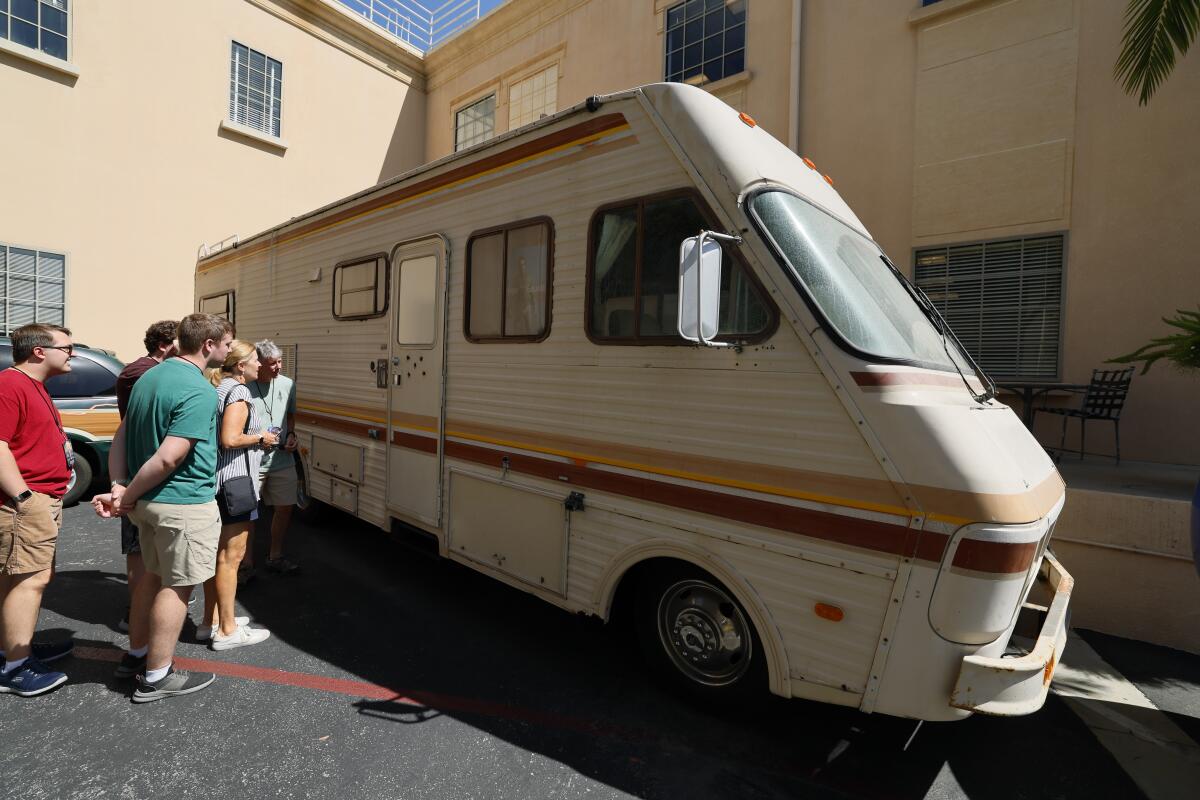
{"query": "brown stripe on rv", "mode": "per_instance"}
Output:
(1004, 557)
(927, 546)
(591, 127)
(870, 380)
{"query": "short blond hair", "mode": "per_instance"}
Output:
(239, 352)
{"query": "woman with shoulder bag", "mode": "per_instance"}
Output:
(242, 440)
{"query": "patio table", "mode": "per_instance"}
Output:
(1031, 390)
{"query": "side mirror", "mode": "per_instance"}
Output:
(699, 288)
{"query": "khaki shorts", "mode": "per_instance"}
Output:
(279, 487)
(28, 537)
(179, 542)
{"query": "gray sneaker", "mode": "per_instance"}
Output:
(176, 682)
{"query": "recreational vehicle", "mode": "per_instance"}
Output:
(640, 353)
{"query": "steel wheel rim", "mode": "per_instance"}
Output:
(704, 633)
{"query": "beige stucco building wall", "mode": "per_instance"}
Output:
(125, 169)
(598, 46)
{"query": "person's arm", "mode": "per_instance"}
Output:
(233, 423)
(11, 482)
(166, 459)
(117, 471)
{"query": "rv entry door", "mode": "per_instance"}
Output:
(416, 379)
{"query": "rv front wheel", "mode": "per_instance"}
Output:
(696, 634)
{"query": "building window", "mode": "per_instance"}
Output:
(1003, 299)
(705, 40)
(533, 98)
(360, 288)
(255, 90)
(32, 287)
(508, 282)
(219, 305)
(38, 25)
(476, 123)
(633, 275)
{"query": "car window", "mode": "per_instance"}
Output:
(5, 356)
(86, 379)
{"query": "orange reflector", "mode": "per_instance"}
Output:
(831, 613)
(829, 180)
(746, 118)
(808, 161)
(1048, 672)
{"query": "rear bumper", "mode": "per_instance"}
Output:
(1014, 686)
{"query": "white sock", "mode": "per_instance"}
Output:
(156, 675)
(139, 652)
(9, 666)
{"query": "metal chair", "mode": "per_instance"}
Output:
(1103, 399)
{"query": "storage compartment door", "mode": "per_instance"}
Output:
(515, 529)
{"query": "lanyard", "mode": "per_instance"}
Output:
(45, 399)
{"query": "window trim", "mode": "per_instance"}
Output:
(36, 54)
(712, 221)
(5, 299)
(387, 285)
(549, 306)
(244, 128)
(230, 293)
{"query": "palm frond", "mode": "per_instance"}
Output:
(1154, 31)
(1181, 349)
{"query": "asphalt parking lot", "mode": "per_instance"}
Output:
(390, 674)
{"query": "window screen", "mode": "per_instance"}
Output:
(634, 277)
(360, 288)
(508, 283)
(533, 98)
(476, 123)
(38, 25)
(1003, 299)
(255, 90)
(705, 40)
(32, 287)
(219, 305)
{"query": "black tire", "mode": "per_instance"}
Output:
(697, 638)
(308, 506)
(82, 476)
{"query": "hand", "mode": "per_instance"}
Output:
(104, 505)
(291, 442)
(269, 440)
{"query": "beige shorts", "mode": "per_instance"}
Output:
(28, 537)
(179, 542)
(279, 487)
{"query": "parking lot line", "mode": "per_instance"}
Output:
(363, 690)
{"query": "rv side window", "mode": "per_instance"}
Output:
(633, 277)
(220, 305)
(508, 283)
(360, 288)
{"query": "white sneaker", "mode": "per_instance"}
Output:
(243, 636)
(205, 632)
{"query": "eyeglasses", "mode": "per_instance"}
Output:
(69, 349)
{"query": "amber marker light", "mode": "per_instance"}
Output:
(829, 180)
(809, 162)
(746, 118)
(831, 613)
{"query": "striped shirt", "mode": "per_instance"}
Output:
(232, 461)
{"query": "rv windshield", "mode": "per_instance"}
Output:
(846, 276)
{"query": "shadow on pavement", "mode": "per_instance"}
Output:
(452, 642)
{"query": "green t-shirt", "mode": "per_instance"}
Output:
(274, 401)
(174, 399)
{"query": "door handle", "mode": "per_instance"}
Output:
(381, 373)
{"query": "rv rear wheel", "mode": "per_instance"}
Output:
(697, 636)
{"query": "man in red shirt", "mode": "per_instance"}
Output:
(160, 345)
(35, 466)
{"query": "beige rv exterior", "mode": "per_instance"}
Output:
(564, 465)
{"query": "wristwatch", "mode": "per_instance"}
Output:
(21, 498)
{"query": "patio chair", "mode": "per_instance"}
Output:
(1103, 399)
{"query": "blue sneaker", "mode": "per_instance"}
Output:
(31, 678)
(47, 652)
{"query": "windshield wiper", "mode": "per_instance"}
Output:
(939, 322)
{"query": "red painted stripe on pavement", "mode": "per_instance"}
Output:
(374, 691)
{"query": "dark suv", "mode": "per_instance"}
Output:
(86, 398)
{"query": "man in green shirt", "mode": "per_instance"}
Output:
(274, 396)
(167, 443)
